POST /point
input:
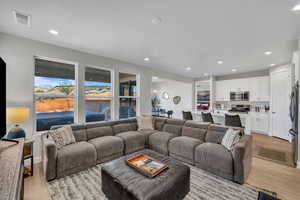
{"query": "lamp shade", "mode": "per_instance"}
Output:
(17, 115)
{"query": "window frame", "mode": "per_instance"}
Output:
(76, 84)
(112, 110)
(137, 97)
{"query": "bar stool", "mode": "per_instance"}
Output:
(233, 120)
(187, 115)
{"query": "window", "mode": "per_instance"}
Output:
(128, 94)
(54, 90)
(98, 94)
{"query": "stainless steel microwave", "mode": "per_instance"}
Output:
(239, 96)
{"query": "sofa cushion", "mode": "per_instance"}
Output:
(215, 133)
(159, 142)
(133, 141)
(230, 138)
(75, 157)
(174, 129)
(159, 123)
(177, 122)
(79, 131)
(122, 127)
(132, 122)
(214, 158)
(107, 147)
(145, 123)
(62, 136)
(99, 132)
(182, 148)
(195, 129)
(147, 133)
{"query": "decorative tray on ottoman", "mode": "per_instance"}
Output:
(146, 165)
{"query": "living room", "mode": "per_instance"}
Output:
(99, 71)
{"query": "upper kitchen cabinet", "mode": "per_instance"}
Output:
(238, 85)
(259, 89)
(222, 90)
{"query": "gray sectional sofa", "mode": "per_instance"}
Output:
(192, 142)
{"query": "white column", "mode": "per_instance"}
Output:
(116, 92)
(79, 107)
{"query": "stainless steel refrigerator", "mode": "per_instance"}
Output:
(294, 118)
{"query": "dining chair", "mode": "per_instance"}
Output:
(233, 120)
(207, 117)
(187, 115)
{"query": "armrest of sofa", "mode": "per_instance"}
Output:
(49, 158)
(242, 157)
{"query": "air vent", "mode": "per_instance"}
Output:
(21, 18)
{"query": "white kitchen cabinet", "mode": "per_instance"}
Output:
(259, 88)
(222, 91)
(239, 85)
(260, 122)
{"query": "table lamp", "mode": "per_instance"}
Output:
(16, 115)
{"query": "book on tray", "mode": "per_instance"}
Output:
(146, 165)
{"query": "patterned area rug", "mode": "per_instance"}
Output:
(86, 185)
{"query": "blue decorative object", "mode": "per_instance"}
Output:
(16, 132)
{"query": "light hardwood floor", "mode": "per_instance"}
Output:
(283, 180)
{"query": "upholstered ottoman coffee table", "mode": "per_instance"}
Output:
(121, 182)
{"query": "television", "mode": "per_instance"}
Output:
(2, 98)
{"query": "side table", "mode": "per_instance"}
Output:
(28, 154)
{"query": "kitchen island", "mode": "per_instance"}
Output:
(219, 117)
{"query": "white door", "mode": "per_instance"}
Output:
(280, 97)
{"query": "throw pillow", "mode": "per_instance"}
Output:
(145, 123)
(62, 136)
(230, 138)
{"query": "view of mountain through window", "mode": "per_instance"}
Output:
(98, 94)
(54, 89)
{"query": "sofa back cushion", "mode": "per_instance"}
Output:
(98, 129)
(123, 127)
(132, 122)
(195, 129)
(99, 132)
(173, 126)
(215, 133)
(159, 123)
(79, 131)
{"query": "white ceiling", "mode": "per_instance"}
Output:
(193, 33)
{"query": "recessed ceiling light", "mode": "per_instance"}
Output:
(220, 62)
(205, 74)
(146, 59)
(53, 32)
(272, 65)
(156, 20)
(296, 8)
(154, 91)
(188, 68)
(268, 52)
(233, 70)
(155, 77)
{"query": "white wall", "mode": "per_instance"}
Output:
(18, 53)
(175, 88)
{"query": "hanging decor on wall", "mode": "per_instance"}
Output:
(165, 96)
(176, 100)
